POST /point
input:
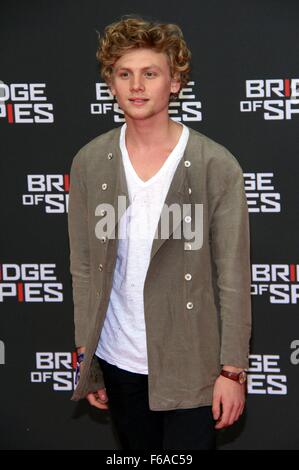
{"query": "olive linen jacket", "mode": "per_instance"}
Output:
(195, 323)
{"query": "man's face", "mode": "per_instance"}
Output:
(142, 83)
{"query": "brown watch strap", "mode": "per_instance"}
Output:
(230, 375)
(239, 377)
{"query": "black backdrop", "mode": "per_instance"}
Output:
(243, 93)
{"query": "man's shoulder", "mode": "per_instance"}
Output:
(212, 152)
(98, 145)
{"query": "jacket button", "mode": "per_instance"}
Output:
(187, 246)
(188, 277)
(187, 163)
(103, 212)
(189, 305)
(190, 191)
(101, 267)
(103, 239)
(110, 156)
(99, 293)
(104, 186)
(187, 219)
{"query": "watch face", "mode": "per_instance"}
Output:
(242, 377)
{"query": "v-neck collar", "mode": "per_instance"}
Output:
(163, 168)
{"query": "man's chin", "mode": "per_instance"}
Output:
(139, 115)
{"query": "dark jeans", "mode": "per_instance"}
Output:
(138, 427)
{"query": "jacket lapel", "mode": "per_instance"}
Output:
(117, 178)
(178, 192)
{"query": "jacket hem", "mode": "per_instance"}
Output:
(198, 405)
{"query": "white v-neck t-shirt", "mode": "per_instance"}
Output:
(123, 337)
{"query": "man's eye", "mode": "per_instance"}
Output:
(148, 74)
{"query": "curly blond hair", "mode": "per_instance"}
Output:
(135, 32)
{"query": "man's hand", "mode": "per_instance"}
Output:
(98, 399)
(229, 395)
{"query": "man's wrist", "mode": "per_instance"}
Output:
(232, 368)
(239, 377)
(81, 349)
(80, 357)
(234, 373)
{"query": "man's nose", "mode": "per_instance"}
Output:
(137, 82)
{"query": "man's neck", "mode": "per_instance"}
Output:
(146, 134)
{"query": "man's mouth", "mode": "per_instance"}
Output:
(138, 100)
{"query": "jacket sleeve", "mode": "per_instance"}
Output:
(79, 248)
(230, 242)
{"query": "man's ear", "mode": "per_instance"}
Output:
(175, 83)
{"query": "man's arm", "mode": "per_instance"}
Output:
(230, 241)
(80, 265)
(79, 248)
(230, 244)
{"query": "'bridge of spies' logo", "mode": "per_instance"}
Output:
(30, 283)
(281, 281)
(261, 194)
(265, 376)
(51, 192)
(57, 369)
(277, 98)
(25, 103)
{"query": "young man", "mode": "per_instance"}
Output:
(162, 324)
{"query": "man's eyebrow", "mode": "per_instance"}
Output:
(143, 68)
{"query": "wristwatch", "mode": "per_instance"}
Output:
(239, 377)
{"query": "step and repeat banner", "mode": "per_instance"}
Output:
(244, 94)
